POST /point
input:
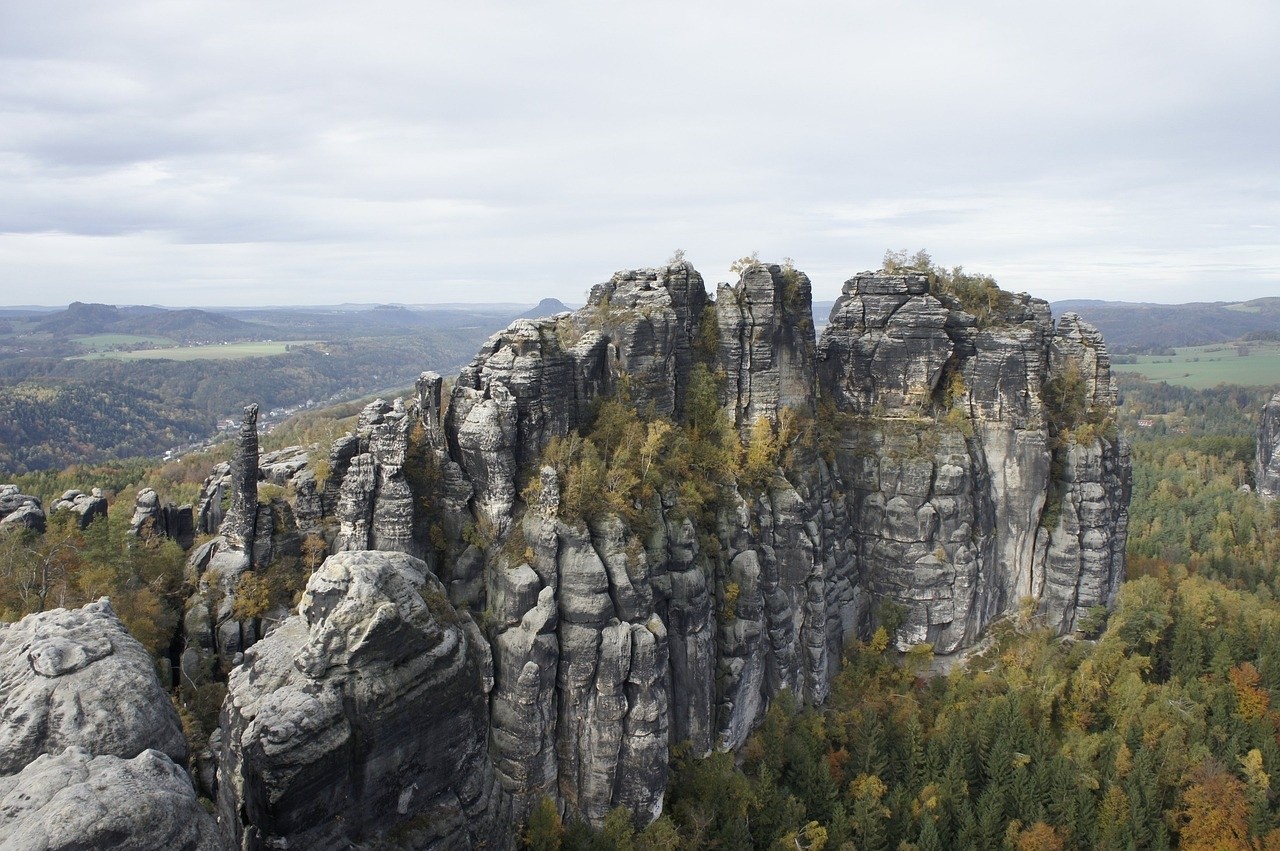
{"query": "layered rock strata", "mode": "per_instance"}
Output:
(86, 506)
(19, 510)
(77, 678)
(155, 519)
(961, 464)
(951, 490)
(362, 719)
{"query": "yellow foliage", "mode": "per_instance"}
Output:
(253, 597)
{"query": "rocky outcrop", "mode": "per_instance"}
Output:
(767, 345)
(362, 718)
(242, 516)
(76, 677)
(1267, 466)
(944, 455)
(19, 510)
(952, 481)
(91, 750)
(153, 519)
(76, 800)
(375, 505)
(86, 506)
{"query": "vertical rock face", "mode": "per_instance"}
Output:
(362, 718)
(153, 519)
(375, 505)
(1267, 466)
(962, 462)
(767, 342)
(955, 486)
(885, 345)
(241, 519)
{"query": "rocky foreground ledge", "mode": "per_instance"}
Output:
(91, 750)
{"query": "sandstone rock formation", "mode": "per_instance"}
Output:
(950, 457)
(91, 750)
(77, 678)
(75, 801)
(955, 485)
(86, 506)
(19, 510)
(362, 718)
(1267, 465)
(153, 519)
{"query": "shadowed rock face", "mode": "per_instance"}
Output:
(363, 717)
(1267, 466)
(19, 510)
(86, 506)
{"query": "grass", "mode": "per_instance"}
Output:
(102, 342)
(216, 351)
(1202, 367)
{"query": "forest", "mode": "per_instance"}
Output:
(1155, 726)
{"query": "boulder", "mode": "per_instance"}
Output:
(77, 678)
(76, 800)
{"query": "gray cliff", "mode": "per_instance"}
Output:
(362, 718)
(19, 510)
(961, 463)
(1267, 466)
(953, 489)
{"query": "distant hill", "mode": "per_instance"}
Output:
(1139, 326)
(546, 307)
(182, 325)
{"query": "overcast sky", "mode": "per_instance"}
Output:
(276, 152)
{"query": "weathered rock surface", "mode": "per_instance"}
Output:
(242, 516)
(1267, 465)
(76, 801)
(76, 678)
(86, 506)
(767, 345)
(155, 519)
(375, 505)
(19, 510)
(946, 485)
(362, 718)
(952, 488)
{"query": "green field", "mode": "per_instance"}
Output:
(217, 351)
(1201, 367)
(102, 342)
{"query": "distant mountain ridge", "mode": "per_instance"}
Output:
(183, 324)
(1139, 326)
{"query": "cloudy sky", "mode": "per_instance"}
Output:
(317, 152)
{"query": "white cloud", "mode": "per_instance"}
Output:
(224, 153)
